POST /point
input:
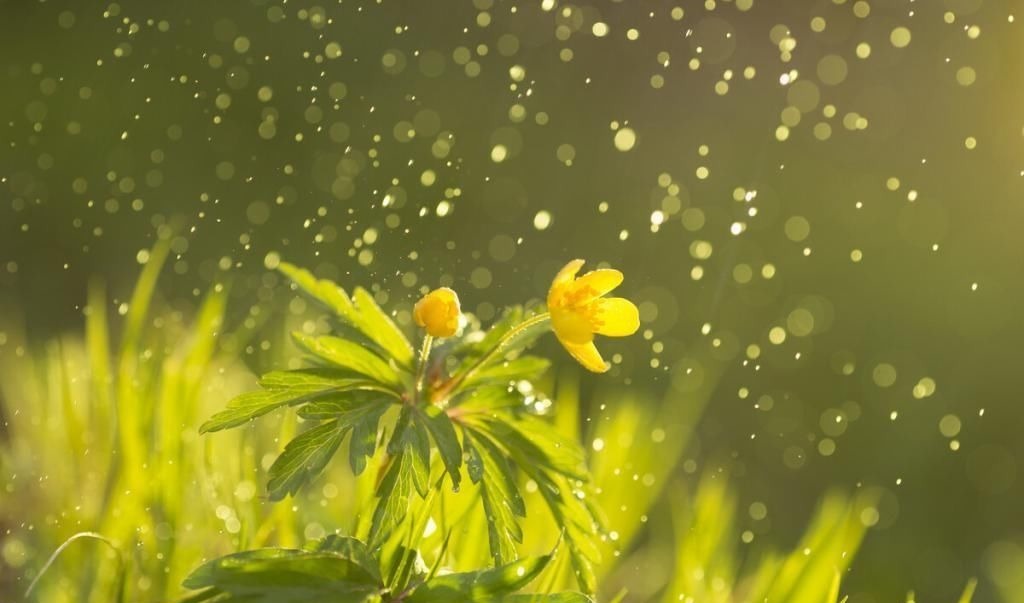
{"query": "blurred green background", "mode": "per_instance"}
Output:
(817, 206)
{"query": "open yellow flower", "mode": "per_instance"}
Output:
(578, 312)
(438, 312)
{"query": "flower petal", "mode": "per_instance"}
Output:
(571, 325)
(595, 283)
(587, 355)
(563, 278)
(438, 312)
(617, 317)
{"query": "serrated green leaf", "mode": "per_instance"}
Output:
(353, 549)
(393, 494)
(405, 567)
(346, 406)
(360, 312)
(411, 439)
(486, 585)
(286, 576)
(379, 327)
(311, 379)
(303, 459)
(498, 474)
(577, 519)
(567, 597)
(553, 463)
(285, 388)
(505, 371)
(350, 356)
(360, 413)
(271, 567)
(499, 494)
(323, 290)
(474, 462)
(363, 440)
(531, 440)
(418, 449)
(490, 398)
(447, 442)
(248, 406)
(397, 441)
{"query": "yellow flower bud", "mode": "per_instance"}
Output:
(438, 312)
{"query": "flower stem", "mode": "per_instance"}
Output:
(421, 369)
(454, 383)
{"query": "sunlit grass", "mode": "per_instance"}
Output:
(102, 437)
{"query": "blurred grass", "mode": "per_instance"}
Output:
(102, 437)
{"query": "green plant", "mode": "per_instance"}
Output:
(510, 450)
(471, 416)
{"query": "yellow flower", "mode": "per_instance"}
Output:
(578, 311)
(438, 312)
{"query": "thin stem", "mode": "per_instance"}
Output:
(421, 370)
(554, 574)
(416, 529)
(502, 343)
(440, 556)
(93, 535)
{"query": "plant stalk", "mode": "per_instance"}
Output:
(453, 384)
(421, 369)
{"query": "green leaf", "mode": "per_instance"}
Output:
(533, 441)
(504, 371)
(486, 585)
(474, 462)
(363, 441)
(555, 464)
(323, 290)
(443, 432)
(304, 458)
(411, 439)
(285, 388)
(248, 406)
(418, 449)
(353, 549)
(359, 312)
(478, 342)
(499, 494)
(393, 493)
(490, 398)
(349, 407)
(286, 576)
(566, 597)
(360, 412)
(379, 327)
(577, 519)
(350, 356)
(312, 379)
(409, 468)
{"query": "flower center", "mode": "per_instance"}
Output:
(576, 324)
